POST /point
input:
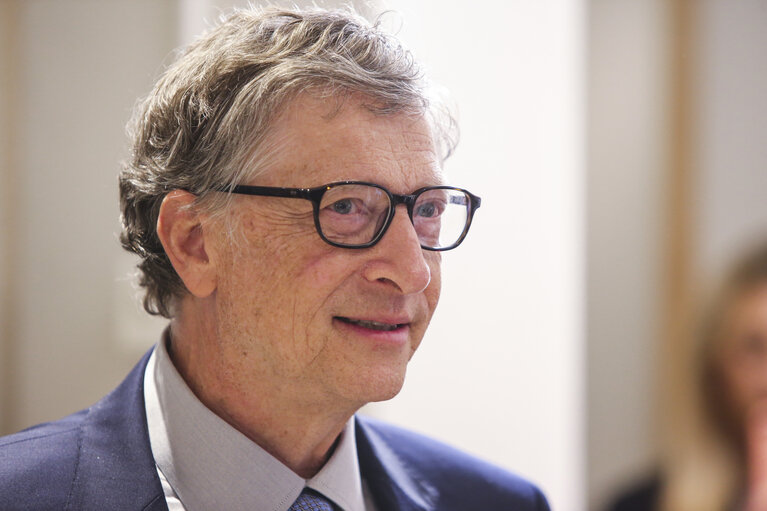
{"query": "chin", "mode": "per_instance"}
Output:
(382, 386)
(385, 396)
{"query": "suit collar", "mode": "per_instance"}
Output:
(116, 461)
(392, 483)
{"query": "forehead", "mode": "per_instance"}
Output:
(315, 142)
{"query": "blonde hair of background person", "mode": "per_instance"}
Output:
(712, 457)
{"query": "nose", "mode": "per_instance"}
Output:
(398, 258)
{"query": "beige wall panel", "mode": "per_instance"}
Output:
(8, 10)
(626, 161)
(732, 133)
(82, 65)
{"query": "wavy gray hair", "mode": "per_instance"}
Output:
(208, 116)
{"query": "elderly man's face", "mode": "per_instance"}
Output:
(331, 323)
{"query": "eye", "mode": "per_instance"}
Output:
(343, 206)
(429, 209)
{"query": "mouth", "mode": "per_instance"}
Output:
(372, 325)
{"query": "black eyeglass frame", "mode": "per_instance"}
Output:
(314, 195)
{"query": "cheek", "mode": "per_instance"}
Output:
(327, 269)
(434, 289)
(310, 290)
(259, 289)
(743, 388)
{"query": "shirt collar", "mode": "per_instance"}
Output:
(208, 462)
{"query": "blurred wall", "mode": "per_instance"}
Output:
(6, 202)
(627, 156)
(74, 70)
(731, 139)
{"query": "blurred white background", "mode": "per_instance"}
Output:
(543, 354)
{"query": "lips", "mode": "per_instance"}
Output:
(372, 325)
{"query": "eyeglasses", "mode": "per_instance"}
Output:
(355, 214)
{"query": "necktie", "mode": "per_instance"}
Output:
(310, 500)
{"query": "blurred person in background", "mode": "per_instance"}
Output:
(716, 455)
(286, 198)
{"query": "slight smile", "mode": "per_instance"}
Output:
(372, 325)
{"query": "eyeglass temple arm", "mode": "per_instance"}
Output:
(461, 200)
(268, 191)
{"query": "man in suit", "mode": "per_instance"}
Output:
(286, 199)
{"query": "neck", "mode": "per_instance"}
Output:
(286, 420)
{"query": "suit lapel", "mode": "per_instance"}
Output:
(116, 468)
(392, 483)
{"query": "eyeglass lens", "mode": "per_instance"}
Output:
(354, 214)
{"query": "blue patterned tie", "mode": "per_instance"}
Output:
(310, 500)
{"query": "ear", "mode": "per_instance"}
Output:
(180, 230)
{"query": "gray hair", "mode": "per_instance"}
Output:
(206, 120)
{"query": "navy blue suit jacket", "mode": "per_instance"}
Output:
(100, 459)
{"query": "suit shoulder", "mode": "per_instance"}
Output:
(458, 474)
(39, 463)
